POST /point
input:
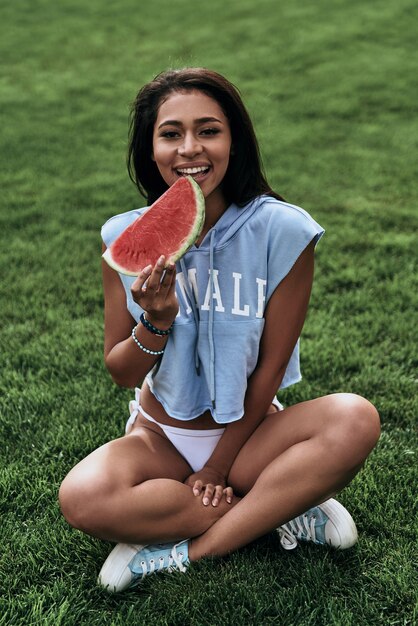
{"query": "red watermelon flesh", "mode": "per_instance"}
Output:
(170, 227)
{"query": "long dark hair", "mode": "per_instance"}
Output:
(244, 178)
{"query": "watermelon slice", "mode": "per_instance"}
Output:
(170, 227)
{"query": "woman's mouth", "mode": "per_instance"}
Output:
(197, 172)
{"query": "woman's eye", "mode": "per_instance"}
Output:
(169, 134)
(210, 131)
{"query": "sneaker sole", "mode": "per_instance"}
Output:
(115, 574)
(344, 522)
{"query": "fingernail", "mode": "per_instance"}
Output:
(161, 260)
(215, 503)
(147, 269)
(196, 492)
(229, 500)
(206, 501)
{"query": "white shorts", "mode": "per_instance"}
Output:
(195, 446)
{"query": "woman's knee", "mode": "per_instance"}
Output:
(67, 501)
(82, 497)
(355, 424)
(74, 497)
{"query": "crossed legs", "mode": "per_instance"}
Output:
(131, 489)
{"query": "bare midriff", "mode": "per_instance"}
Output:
(151, 405)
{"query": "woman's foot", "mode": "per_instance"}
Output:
(327, 524)
(127, 564)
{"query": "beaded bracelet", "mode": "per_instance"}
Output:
(143, 348)
(152, 329)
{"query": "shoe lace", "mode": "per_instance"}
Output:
(302, 527)
(177, 558)
(174, 561)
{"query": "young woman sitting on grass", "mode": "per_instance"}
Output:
(211, 460)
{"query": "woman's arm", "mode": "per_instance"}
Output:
(126, 362)
(284, 318)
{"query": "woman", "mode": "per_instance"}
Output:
(211, 460)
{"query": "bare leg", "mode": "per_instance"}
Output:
(131, 490)
(294, 460)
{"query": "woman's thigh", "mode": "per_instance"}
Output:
(119, 465)
(344, 425)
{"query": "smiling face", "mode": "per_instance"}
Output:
(192, 137)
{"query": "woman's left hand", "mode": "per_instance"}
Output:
(211, 484)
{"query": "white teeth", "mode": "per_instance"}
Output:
(192, 170)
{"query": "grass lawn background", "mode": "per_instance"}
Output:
(333, 91)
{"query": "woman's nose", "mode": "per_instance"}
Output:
(190, 146)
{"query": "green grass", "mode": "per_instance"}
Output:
(333, 90)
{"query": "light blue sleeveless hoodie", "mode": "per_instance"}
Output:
(223, 287)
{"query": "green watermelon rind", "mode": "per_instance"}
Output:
(107, 256)
(197, 227)
(188, 242)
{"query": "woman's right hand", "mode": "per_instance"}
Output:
(155, 292)
(210, 485)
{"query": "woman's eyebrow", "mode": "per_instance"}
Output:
(200, 120)
(205, 120)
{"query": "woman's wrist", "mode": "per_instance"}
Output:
(144, 348)
(221, 468)
(162, 325)
(151, 343)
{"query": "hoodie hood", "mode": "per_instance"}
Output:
(228, 225)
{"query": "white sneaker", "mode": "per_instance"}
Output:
(127, 564)
(326, 524)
